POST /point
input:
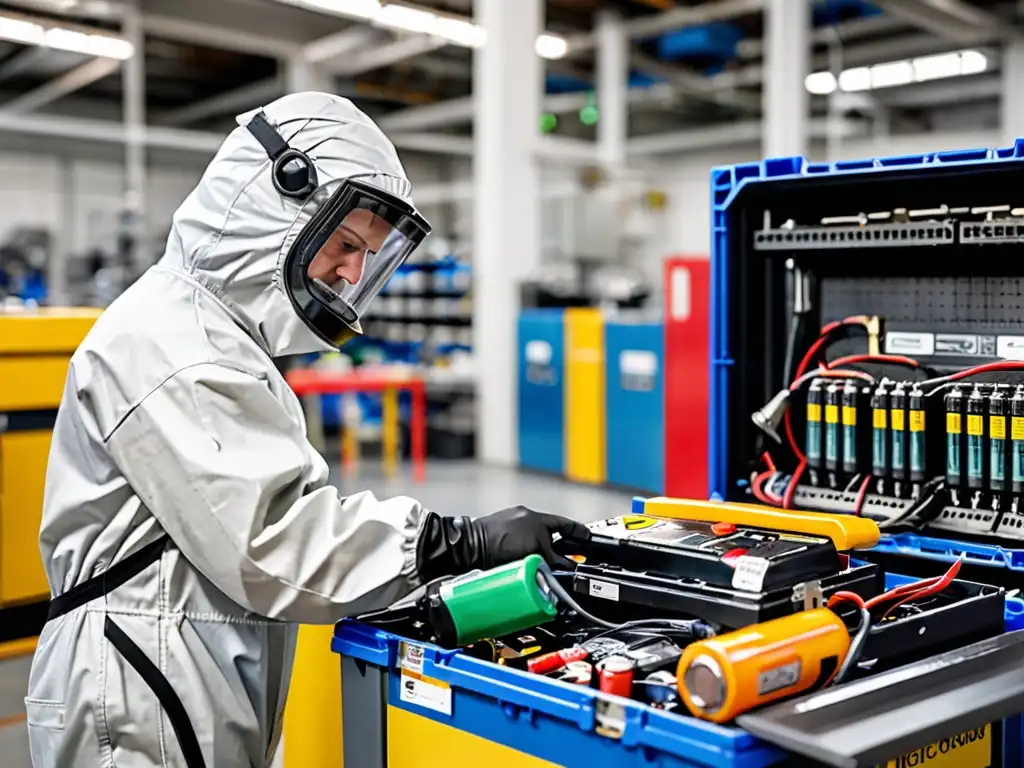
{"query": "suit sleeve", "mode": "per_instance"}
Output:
(232, 479)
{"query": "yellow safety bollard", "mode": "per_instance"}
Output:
(389, 429)
(312, 718)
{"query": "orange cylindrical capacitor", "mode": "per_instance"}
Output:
(725, 676)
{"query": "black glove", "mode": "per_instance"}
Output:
(454, 545)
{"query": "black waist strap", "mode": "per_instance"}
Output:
(109, 580)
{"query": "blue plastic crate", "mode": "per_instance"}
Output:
(726, 184)
(552, 720)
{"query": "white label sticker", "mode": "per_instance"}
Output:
(749, 573)
(538, 352)
(638, 362)
(604, 589)
(957, 344)
(412, 657)
(902, 342)
(1010, 347)
(427, 693)
(681, 300)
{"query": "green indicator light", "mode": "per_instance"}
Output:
(548, 122)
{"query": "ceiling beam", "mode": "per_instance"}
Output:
(649, 26)
(108, 132)
(61, 86)
(961, 90)
(24, 59)
(221, 38)
(689, 83)
(405, 47)
(229, 102)
(868, 26)
(327, 50)
(952, 20)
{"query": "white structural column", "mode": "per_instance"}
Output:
(1013, 92)
(786, 65)
(506, 213)
(612, 87)
(135, 125)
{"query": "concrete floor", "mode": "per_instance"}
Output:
(452, 488)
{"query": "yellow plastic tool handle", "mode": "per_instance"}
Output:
(846, 531)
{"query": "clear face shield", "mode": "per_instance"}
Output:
(345, 255)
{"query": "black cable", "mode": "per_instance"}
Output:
(787, 366)
(856, 647)
(692, 628)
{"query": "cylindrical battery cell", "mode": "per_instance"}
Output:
(976, 439)
(833, 436)
(898, 424)
(997, 441)
(880, 431)
(849, 420)
(954, 402)
(812, 448)
(1017, 440)
(917, 435)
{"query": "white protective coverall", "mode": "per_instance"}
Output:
(176, 421)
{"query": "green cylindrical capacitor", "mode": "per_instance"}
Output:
(898, 423)
(833, 437)
(879, 431)
(1017, 439)
(492, 603)
(976, 439)
(849, 419)
(917, 439)
(997, 441)
(954, 402)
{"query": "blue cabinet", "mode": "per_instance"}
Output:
(542, 390)
(635, 410)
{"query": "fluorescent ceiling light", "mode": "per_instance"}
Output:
(820, 83)
(856, 79)
(407, 18)
(895, 73)
(551, 46)
(64, 39)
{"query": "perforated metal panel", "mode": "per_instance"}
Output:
(937, 304)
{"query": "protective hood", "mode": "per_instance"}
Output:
(233, 231)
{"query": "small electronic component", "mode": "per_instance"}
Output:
(1017, 443)
(917, 439)
(655, 656)
(898, 422)
(851, 463)
(954, 402)
(997, 445)
(576, 673)
(833, 435)
(976, 444)
(812, 447)
(880, 435)
(724, 676)
(615, 676)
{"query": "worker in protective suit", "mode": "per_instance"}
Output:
(187, 523)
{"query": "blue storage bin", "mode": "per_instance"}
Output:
(530, 714)
(542, 390)
(541, 717)
(635, 404)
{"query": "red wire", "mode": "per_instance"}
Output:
(861, 495)
(915, 591)
(1005, 365)
(890, 359)
(825, 331)
(787, 500)
(759, 494)
(767, 459)
(838, 597)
